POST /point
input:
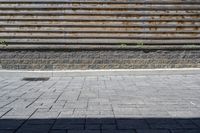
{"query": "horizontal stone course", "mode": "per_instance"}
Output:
(98, 59)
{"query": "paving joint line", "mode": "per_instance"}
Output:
(34, 100)
(9, 103)
(24, 121)
(6, 112)
(54, 123)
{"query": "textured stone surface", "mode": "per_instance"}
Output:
(118, 59)
(101, 104)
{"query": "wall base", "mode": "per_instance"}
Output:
(97, 59)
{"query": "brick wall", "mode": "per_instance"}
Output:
(98, 59)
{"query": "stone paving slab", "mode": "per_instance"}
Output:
(101, 104)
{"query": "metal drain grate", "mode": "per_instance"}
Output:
(35, 79)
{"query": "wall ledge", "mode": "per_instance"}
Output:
(100, 47)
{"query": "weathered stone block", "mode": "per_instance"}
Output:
(98, 59)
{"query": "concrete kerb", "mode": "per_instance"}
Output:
(112, 72)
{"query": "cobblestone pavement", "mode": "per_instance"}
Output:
(101, 104)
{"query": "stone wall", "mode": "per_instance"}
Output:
(97, 59)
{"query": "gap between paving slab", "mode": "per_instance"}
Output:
(111, 72)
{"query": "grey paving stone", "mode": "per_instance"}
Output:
(40, 121)
(92, 126)
(5, 109)
(93, 121)
(69, 126)
(163, 123)
(187, 124)
(83, 131)
(152, 131)
(2, 113)
(10, 123)
(109, 127)
(132, 124)
(34, 129)
(118, 131)
(6, 131)
(196, 121)
(30, 131)
(45, 115)
(21, 111)
(70, 121)
(57, 131)
(185, 131)
(119, 104)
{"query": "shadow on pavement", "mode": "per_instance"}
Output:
(101, 125)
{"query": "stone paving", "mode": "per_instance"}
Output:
(101, 104)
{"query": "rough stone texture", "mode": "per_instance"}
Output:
(101, 104)
(111, 59)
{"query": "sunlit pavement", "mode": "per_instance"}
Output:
(101, 104)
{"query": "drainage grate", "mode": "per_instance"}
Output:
(35, 79)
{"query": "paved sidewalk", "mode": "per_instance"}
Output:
(101, 104)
